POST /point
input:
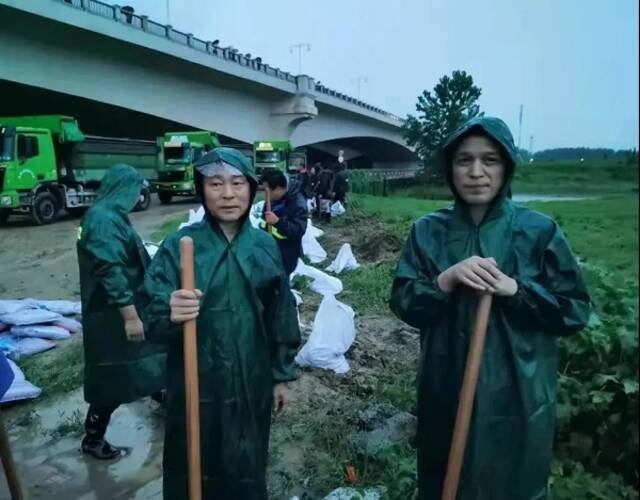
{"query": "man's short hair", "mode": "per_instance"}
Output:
(274, 179)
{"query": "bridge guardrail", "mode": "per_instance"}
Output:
(121, 14)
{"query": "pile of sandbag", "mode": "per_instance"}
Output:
(30, 326)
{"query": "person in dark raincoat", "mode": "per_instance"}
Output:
(288, 216)
(487, 244)
(247, 334)
(119, 366)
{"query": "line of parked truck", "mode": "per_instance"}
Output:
(47, 164)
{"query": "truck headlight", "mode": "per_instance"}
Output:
(5, 201)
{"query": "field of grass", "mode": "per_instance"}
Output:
(594, 178)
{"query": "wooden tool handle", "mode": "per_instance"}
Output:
(8, 464)
(267, 204)
(467, 397)
(192, 395)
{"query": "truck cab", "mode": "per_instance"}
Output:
(279, 155)
(27, 163)
(179, 152)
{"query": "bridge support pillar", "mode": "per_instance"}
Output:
(288, 114)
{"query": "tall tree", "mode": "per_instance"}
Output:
(440, 111)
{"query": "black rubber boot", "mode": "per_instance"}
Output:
(100, 449)
(95, 427)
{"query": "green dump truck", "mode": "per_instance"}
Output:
(47, 164)
(179, 151)
(279, 155)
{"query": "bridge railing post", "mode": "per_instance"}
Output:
(84, 4)
(190, 39)
(116, 12)
(167, 30)
(144, 21)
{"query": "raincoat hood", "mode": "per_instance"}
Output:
(499, 132)
(120, 188)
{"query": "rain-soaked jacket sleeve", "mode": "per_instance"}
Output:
(281, 323)
(416, 297)
(553, 298)
(162, 278)
(293, 223)
(107, 243)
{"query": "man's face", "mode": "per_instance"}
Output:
(478, 170)
(227, 196)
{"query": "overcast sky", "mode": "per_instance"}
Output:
(573, 64)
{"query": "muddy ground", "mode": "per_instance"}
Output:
(308, 443)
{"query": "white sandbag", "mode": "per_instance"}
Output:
(41, 331)
(64, 307)
(20, 388)
(30, 317)
(345, 260)
(332, 335)
(313, 231)
(337, 209)
(194, 216)
(311, 204)
(321, 282)
(11, 306)
(152, 248)
(312, 249)
(298, 296)
(70, 324)
(255, 214)
(28, 346)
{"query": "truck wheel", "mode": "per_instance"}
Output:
(165, 198)
(4, 215)
(45, 209)
(146, 201)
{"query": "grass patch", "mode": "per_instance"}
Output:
(366, 289)
(57, 371)
(70, 425)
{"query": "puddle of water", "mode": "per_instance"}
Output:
(524, 198)
(52, 467)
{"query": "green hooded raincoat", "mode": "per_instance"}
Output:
(112, 261)
(247, 337)
(510, 441)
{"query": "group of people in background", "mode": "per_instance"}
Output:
(325, 185)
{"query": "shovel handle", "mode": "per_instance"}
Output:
(467, 397)
(192, 395)
(267, 204)
(8, 464)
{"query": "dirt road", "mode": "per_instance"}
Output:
(40, 261)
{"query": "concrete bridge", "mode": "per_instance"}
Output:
(125, 75)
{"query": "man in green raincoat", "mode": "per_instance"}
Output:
(119, 367)
(487, 244)
(247, 334)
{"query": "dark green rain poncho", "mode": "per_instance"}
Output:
(112, 261)
(247, 334)
(509, 448)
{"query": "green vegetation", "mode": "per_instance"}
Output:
(57, 371)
